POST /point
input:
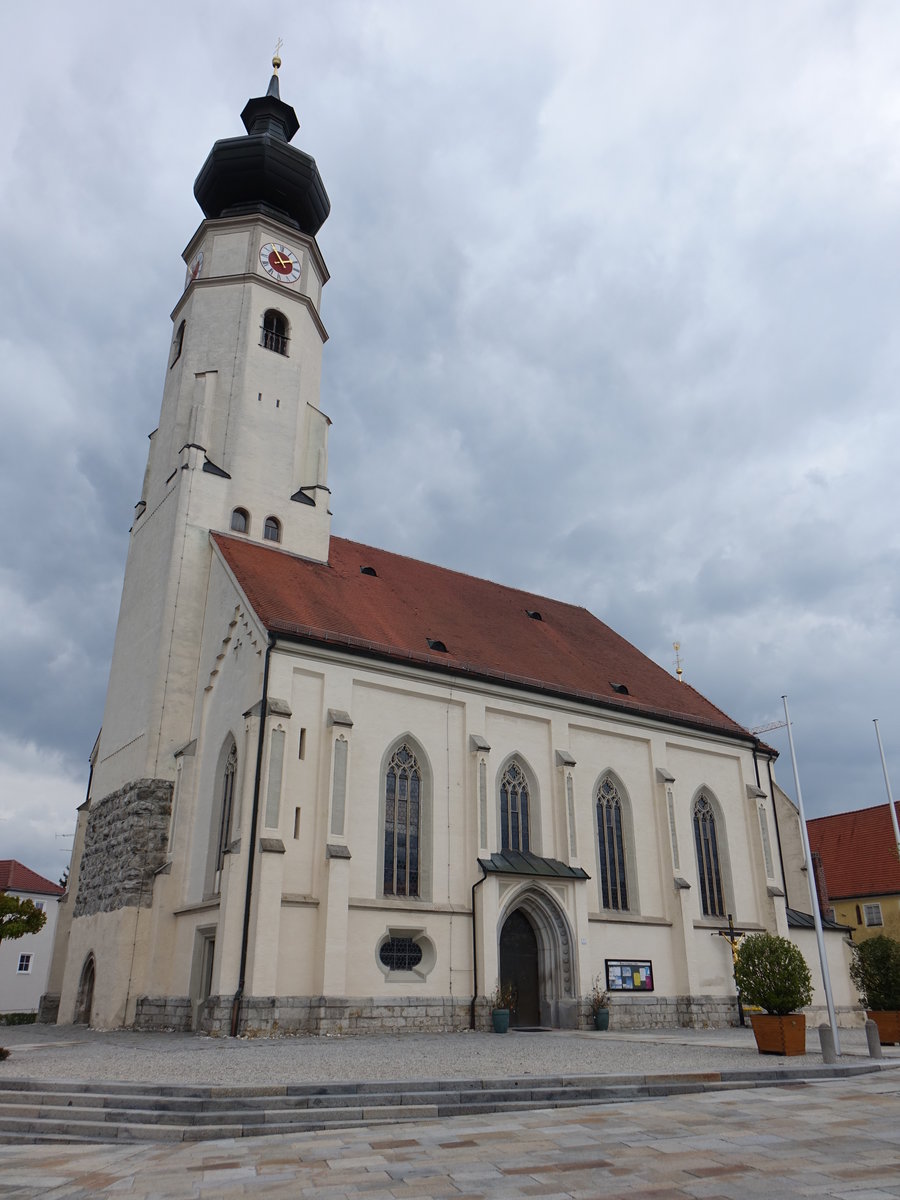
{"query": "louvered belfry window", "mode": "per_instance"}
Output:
(707, 845)
(613, 884)
(514, 809)
(402, 817)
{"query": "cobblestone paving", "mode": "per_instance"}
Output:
(836, 1139)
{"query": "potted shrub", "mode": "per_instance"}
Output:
(502, 1002)
(771, 973)
(599, 1001)
(875, 970)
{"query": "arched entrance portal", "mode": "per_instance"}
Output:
(85, 1000)
(519, 968)
(537, 960)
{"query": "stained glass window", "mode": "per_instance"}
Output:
(400, 954)
(613, 883)
(514, 809)
(707, 846)
(402, 820)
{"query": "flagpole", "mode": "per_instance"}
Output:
(887, 784)
(813, 891)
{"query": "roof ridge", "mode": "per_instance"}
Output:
(852, 812)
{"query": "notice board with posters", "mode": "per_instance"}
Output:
(631, 975)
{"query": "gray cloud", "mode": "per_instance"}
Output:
(613, 317)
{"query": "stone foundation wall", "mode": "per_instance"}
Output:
(164, 1013)
(124, 846)
(267, 1015)
(48, 1009)
(635, 1011)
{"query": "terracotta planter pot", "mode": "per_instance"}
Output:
(780, 1035)
(888, 1023)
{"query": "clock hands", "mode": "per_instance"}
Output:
(284, 263)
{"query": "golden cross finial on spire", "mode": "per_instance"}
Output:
(276, 57)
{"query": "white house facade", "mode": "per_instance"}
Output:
(25, 961)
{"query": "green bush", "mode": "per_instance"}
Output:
(772, 973)
(18, 1018)
(875, 970)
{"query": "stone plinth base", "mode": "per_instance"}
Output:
(48, 1009)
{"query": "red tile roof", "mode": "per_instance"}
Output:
(858, 852)
(14, 877)
(484, 626)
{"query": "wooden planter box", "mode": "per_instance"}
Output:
(888, 1023)
(780, 1035)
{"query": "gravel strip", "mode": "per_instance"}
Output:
(55, 1052)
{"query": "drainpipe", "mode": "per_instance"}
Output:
(254, 820)
(476, 884)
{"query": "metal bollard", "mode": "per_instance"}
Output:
(826, 1041)
(873, 1039)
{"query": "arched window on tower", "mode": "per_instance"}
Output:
(514, 832)
(240, 520)
(611, 839)
(402, 823)
(274, 334)
(706, 843)
(272, 529)
(177, 345)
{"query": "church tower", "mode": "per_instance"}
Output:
(241, 443)
(241, 447)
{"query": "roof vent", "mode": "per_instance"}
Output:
(619, 687)
(368, 571)
(434, 644)
(534, 614)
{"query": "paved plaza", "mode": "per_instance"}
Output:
(835, 1138)
(838, 1139)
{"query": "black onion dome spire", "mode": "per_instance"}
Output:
(262, 173)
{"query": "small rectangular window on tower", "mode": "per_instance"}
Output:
(296, 824)
(301, 745)
(24, 964)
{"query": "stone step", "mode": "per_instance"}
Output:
(32, 1111)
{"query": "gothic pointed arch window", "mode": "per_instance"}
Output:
(402, 822)
(274, 332)
(611, 845)
(223, 815)
(709, 857)
(514, 809)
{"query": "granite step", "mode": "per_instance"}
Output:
(60, 1111)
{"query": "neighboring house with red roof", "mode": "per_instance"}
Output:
(25, 961)
(339, 789)
(860, 868)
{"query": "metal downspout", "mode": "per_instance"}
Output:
(476, 884)
(254, 820)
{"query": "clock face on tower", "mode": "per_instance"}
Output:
(280, 262)
(194, 267)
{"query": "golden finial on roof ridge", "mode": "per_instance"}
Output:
(276, 57)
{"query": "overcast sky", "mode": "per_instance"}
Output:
(614, 316)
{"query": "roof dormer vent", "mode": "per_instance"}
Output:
(534, 614)
(435, 644)
(619, 687)
(368, 571)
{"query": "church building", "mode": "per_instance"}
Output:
(338, 789)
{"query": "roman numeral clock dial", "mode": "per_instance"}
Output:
(280, 262)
